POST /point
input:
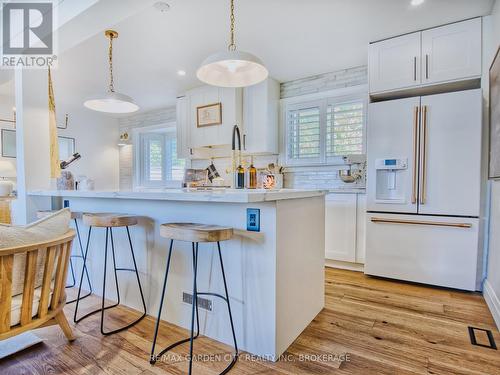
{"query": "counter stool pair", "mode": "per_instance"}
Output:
(108, 221)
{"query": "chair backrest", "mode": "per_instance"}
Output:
(57, 253)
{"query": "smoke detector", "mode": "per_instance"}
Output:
(161, 6)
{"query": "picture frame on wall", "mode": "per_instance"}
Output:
(494, 144)
(208, 115)
(8, 138)
(63, 125)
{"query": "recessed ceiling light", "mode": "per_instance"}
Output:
(161, 6)
(417, 2)
(181, 72)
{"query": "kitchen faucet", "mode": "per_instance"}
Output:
(234, 161)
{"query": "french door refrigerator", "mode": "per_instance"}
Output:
(423, 189)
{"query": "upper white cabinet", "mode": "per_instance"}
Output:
(395, 63)
(260, 117)
(452, 52)
(213, 135)
(254, 109)
(443, 54)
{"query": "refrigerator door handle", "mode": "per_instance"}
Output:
(423, 165)
(415, 157)
(421, 222)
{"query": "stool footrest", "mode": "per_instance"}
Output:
(125, 269)
(212, 294)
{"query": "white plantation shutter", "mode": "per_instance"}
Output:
(322, 131)
(344, 129)
(304, 133)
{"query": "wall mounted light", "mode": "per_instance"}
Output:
(124, 139)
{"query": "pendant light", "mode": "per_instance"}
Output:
(232, 68)
(112, 101)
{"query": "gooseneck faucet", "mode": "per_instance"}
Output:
(236, 160)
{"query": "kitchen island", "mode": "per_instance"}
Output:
(275, 276)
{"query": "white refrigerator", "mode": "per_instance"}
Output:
(423, 189)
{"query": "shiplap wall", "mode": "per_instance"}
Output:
(310, 177)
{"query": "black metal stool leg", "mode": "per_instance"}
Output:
(136, 271)
(235, 357)
(81, 278)
(84, 268)
(193, 309)
(154, 357)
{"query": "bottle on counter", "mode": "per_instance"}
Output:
(252, 176)
(240, 177)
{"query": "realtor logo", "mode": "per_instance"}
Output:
(27, 34)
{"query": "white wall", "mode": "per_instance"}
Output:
(492, 283)
(96, 139)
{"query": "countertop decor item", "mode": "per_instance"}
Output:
(232, 68)
(112, 101)
(66, 181)
(7, 171)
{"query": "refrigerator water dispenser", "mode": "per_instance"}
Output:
(391, 184)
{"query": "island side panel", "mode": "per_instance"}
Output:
(249, 260)
(300, 263)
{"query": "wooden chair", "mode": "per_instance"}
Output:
(51, 294)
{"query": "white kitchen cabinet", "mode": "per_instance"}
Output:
(260, 117)
(214, 135)
(395, 63)
(451, 52)
(360, 228)
(435, 56)
(340, 227)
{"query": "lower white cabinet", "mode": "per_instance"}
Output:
(344, 227)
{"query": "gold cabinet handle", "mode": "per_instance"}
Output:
(415, 151)
(421, 222)
(423, 190)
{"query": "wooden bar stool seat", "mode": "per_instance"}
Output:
(191, 232)
(75, 216)
(44, 213)
(109, 220)
(195, 233)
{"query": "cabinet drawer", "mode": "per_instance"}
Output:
(432, 250)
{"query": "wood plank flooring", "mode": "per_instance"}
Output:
(369, 326)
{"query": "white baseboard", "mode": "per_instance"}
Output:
(345, 265)
(492, 301)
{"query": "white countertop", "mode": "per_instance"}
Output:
(219, 195)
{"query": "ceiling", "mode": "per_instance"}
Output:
(295, 39)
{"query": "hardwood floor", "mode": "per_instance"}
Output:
(369, 326)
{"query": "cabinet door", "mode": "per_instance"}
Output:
(392, 128)
(450, 150)
(394, 63)
(340, 227)
(260, 117)
(452, 52)
(214, 135)
(182, 113)
(360, 228)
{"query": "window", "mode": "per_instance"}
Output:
(319, 132)
(159, 163)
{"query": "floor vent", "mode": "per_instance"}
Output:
(483, 336)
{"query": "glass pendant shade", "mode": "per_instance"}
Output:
(232, 69)
(112, 102)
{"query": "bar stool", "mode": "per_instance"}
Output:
(110, 221)
(194, 233)
(75, 216)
